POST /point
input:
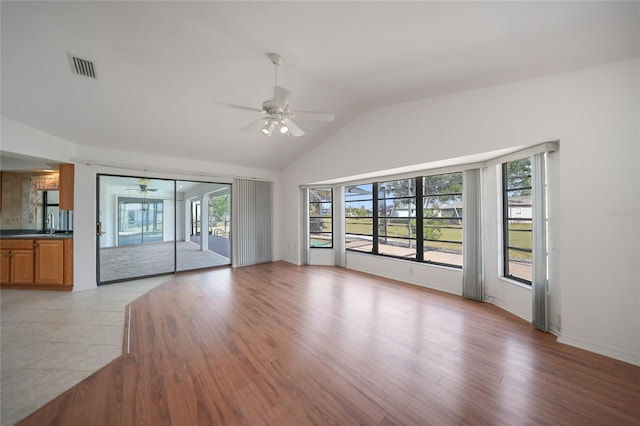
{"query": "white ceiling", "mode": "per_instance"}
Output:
(163, 68)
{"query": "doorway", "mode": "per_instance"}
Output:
(145, 227)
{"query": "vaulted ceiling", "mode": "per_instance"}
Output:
(164, 69)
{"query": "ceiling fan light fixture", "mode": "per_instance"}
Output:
(276, 113)
(269, 125)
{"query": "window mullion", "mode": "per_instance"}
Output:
(375, 218)
(419, 220)
(505, 221)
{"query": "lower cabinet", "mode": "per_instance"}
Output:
(17, 262)
(21, 266)
(49, 265)
(42, 262)
(5, 266)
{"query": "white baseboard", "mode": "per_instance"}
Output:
(600, 349)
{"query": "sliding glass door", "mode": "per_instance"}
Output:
(149, 227)
(206, 234)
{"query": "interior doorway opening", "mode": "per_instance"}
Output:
(148, 226)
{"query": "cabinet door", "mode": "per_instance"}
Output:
(21, 266)
(5, 266)
(67, 172)
(49, 262)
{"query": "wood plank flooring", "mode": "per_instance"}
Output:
(289, 345)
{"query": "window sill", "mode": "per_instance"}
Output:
(518, 283)
(406, 260)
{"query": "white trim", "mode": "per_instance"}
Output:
(598, 348)
(516, 282)
(387, 177)
(152, 169)
(551, 146)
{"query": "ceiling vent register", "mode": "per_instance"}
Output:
(82, 67)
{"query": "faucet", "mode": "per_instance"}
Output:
(51, 223)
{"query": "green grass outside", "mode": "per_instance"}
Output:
(521, 237)
(517, 238)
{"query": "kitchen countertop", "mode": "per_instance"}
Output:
(57, 236)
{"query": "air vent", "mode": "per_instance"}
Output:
(82, 67)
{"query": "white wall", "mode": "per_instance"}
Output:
(594, 114)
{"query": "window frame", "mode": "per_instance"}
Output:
(377, 217)
(374, 188)
(461, 242)
(505, 223)
(321, 217)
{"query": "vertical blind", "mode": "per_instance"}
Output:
(540, 283)
(252, 239)
(305, 226)
(472, 236)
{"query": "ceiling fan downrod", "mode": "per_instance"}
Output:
(275, 60)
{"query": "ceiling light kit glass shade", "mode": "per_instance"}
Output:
(270, 124)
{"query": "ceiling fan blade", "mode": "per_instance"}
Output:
(294, 130)
(242, 107)
(280, 96)
(252, 125)
(314, 115)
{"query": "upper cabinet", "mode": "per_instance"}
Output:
(66, 186)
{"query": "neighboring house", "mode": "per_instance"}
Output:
(520, 207)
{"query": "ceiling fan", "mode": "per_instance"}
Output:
(143, 186)
(277, 115)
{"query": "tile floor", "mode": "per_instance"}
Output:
(51, 340)
(118, 263)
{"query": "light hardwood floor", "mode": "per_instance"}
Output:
(288, 345)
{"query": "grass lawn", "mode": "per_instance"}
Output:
(520, 236)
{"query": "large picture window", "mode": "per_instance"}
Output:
(442, 219)
(517, 220)
(320, 217)
(417, 219)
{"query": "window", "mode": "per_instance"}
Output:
(396, 218)
(517, 220)
(442, 219)
(320, 217)
(358, 208)
(62, 219)
(418, 219)
(139, 220)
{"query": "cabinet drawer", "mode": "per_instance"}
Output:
(16, 244)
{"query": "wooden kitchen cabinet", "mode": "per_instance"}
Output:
(67, 173)
(45, 263)
(22, 266)
(5, 266)
(17, 261)
(49, 262)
